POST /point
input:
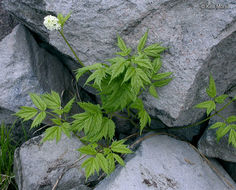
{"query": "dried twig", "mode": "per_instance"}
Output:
(66, 169)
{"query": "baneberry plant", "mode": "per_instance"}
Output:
(119, 81)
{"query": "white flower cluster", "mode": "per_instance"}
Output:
(52, 23)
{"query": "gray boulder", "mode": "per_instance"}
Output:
(38, 166)
(201, 40)
(208, 144)
(7, 22)
(163, 163)
(26, 68)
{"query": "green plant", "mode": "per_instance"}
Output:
(228, 126)
(6, 158)
(119, 82)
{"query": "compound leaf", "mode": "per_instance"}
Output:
(38, 119)
(89, 149)
(38, 102)
(152, 91)
(144, 119)
(103, 163)
(161, 76)
(231, 119)
(121, 44)
(52, 133)
(68, 106)
(26, 113)
(119, 159)
(53, 100)
(211, 90)
(209, 105)
(163, 82)
(142, 42)
(91, 165)
(222, 131)
(120, 147)
(217, 125)
(221, 99)
(232, 137)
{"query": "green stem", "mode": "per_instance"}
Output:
(130, 120)
(80, 62)
(55, 116)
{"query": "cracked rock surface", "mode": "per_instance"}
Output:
(38, 166)
(163, 163)
(200, 41)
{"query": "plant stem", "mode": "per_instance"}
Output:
(131, 121)
(55, 116)
(80, 62)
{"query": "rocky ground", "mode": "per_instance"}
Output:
(201, 40)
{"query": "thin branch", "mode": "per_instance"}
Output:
(66, 169)
(80, 62)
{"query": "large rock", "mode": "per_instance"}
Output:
(7, 22)
(201, 40)
(208, 144)
(26, 68)
(38, 166)
(163, 163)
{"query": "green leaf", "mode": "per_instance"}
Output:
(89, 121)
(152, 91)
(209, 105)
(231, 119)
(120, 147)
(137, 104)
(38, 102)
(108, 128)
(129, 73)
(38, 119)
(97, 76)
(117, 69)
(232, 137)
(217, 125)
(142, 75)
(89, 149)
(142, 42)
(26, 113)
(119, 159)
(161, 76)
(211, 90)
(157, 63)
(53, 100)
(222, 131)
(89, 107)
(111, 162)
(121, 44)
(124, 53)
(81, 71)
(68, 106)
(56, 121)
(234, 98)
(52, 133)
(163, 82)
(221, 99)
(91, 165)
(66, 128)
(146, 63)
(144, 119)
(154, 50)
(103, 163)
